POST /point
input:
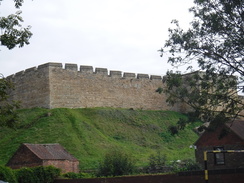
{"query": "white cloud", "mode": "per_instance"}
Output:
(117, 34)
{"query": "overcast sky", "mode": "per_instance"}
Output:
(119, 35)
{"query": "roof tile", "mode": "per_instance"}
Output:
(50, 151)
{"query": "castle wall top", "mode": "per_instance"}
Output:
(84, 69)
(54, 85)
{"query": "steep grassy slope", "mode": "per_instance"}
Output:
(89, 133)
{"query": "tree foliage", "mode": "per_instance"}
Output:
(37, 174)
(7, 174)
(8, 114)
(215, 42)
(12, 32)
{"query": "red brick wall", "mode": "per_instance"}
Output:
(64, 165)
(173, 178)
(211, 138)
(232, 160)
(24, 158)
(231, 141)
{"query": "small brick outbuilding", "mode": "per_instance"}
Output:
(31, 155)
(229, 136)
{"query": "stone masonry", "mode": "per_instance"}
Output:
(52, 86)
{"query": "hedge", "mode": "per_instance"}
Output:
(29, 175)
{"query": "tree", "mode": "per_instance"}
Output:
(8, 114)
(12, 32)
(12, 35)
(215, 42)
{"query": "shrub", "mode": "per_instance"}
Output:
(7, 174)
(173, 129)
(182, 123)
(26, 175)
(185, 165)
(116, 163)
(191, 165)
(46, 174)
(51, 173)
(37, 174)
(73, 175)
(156, 163)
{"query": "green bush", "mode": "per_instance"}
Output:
(185, 165)
(72, 175)
(182, 123)
(51, 173)
(173, 129)
(7, 174)
(37, 174)
(26, 175)
(116, 163)
(46, 174)
(192, 165)
(156, 163)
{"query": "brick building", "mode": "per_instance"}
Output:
(230, 136)
(31, 155)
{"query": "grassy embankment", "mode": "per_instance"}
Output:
(89, 133)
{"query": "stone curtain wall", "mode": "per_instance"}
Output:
(53, 86)
(32, 87)
(74, 88)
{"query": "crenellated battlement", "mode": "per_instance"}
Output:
(84, 69)
(54, 85)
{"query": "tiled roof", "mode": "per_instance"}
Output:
(50, 152)
(237, 127)
(212, 138)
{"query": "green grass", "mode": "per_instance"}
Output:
(91, 132)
